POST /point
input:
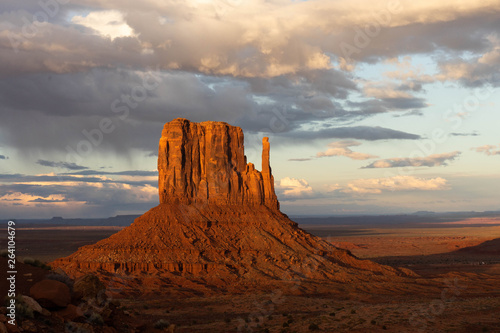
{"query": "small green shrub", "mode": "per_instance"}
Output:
(22, 310)
(71, 327)
(313, 327)
(61, 278)
(161, 324)
(36, 263)
(96, 319)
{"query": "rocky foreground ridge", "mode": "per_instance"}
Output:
(218, 226)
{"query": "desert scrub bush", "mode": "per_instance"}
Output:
(36, 263)
(96, 319)
(161, 324)
(22, 310)
(61, 278)
(313, 327)
(71, 327)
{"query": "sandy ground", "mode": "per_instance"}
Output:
(464, 261)
(427, 251)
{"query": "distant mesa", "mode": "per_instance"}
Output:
(218, 227)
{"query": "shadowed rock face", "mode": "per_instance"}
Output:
(218, 225)
(205, 163)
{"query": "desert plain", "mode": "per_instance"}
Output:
(458, 262)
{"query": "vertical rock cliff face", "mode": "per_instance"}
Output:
(205, 163)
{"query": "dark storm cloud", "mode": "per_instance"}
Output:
(428, 161)
(20, 178)
(463, 33)
(410, 113)
(71, 106)
(48, 200)
(329, 82)
(64, 165)
(355, 132)
(382, 105)
(464, 134)
(119, 173)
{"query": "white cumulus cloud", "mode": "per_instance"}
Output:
(341, 148)
(396, 183)
(109, 23)
(293, 188)
(489, 150)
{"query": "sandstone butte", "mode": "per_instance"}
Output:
(218, 227)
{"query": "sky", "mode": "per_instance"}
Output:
(371, 107)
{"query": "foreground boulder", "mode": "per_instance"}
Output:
(51, 293)
(218, 226)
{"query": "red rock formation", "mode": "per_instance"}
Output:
(205, 163)
(51, 293)
(218, 223)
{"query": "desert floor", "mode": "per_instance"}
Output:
(464, 259)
